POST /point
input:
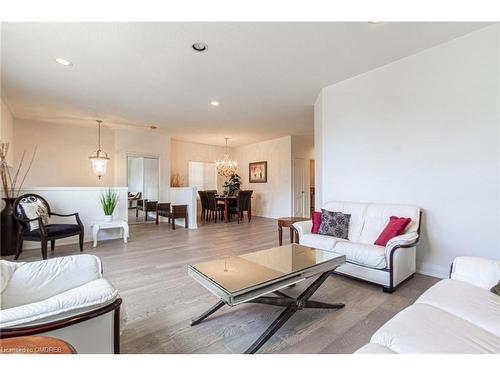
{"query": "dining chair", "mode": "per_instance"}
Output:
(243, 203)
(214, 209)
(204, 204)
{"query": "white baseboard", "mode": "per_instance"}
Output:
(433, 270)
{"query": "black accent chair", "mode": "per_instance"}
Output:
(45, 233)
(243, 203)
(146, 206)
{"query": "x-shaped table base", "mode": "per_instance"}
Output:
(292, 306)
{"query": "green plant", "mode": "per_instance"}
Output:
(109, 199)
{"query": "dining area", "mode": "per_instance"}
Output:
(226, 207)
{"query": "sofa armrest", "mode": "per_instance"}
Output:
(303, 227)
(480, 272)
(36, 281)
(404, 240)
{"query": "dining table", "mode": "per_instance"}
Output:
(227, 201)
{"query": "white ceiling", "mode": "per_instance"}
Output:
(265, 75)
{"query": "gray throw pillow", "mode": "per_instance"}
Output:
(334, 224)
(496, 288)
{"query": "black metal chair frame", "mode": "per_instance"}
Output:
(23, 233)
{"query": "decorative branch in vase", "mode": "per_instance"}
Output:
(12, 182)
(10, 186)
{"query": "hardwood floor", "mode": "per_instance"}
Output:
(160, 299)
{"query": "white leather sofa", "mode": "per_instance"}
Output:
(457, 315)
(388, 266)
(64, 297)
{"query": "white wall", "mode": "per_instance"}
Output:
(272, 199)
(425, 131)
(131, 141)
(302, 152)
(7, 130)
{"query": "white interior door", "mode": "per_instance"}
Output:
(151, 179)
(299, 194)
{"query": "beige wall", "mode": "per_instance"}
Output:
(184, 152)
(63, 150)
(147, 143)
(62, 153)
(7, 130)
(272, 199)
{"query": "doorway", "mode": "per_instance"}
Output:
(299, 196)
(143, 181)
(312, 190)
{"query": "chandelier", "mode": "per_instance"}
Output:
(99, 159)
(226, 167)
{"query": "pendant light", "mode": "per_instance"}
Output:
(99, 159)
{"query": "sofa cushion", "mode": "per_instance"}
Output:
(334, 224)
(37, 281)
(377, 216)
(55, 230)
(90, 295)
(471, 303)
(357, 212)
(425, 329)
(318, 241)
(368, 255)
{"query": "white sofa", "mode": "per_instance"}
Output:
(457, 315)
(64, 297)
(388, 266)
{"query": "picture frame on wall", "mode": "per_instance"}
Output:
(257, 172)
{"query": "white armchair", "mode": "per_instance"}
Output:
(63, 297)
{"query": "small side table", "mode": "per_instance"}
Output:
(288, 222)
(98, 225)
(35, 345)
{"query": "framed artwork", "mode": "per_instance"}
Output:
(257, 172)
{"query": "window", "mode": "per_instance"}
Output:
(202, 175)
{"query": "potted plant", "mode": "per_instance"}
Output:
(232, 186)
(12, 183)
(109, 200)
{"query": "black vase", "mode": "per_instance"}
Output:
(8, 228)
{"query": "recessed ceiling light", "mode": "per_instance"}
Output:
(153, 127)
(214, 103)
(374, 22)
(64, 62)
(200, 46)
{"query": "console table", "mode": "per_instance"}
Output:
(98, 225)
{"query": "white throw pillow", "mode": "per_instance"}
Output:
(31, 208)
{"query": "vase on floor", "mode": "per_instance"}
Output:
(8, 228)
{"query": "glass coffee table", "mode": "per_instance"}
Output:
(249, 278)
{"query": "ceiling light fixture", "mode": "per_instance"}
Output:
(227, 166)
(153, 127)
(99, 159)
(64, 62)
(215, 103)
(200, 47)
(374, 22)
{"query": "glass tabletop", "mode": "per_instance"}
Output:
(235, 273)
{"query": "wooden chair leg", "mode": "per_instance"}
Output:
(186, 225)
(19, 248)
(44, 249)
(52, 244)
